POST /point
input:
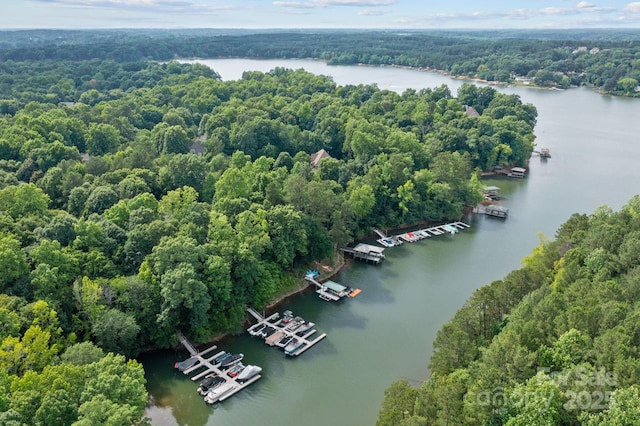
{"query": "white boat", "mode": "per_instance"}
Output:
(294, 324)
(210, 383)
(293, 346)
(215, 394)
(256, 329)
(305, 327)
(248, 372)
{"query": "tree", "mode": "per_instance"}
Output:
(623, 409)
(117, 332)
(185, 300)
(361, 199)
(399, 401)
(23, 200)
(177, 202)
(183, 170)
(100, 199)
(628, 85)
(101, 411)
(14, 264)
(176, 140)
(60, 228)
(82, 354)
(102, 139)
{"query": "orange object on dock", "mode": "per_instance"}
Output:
(355, 292)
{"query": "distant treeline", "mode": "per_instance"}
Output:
(609, 60)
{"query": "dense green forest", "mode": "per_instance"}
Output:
(553, 343)
(139, 198)
(607, 59)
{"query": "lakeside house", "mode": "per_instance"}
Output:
(317, 157)
(471, 111)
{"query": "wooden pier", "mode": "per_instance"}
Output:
(297, 335)
(204, 366)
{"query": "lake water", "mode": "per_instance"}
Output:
(386, 333)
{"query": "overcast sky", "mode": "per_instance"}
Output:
(380, 14)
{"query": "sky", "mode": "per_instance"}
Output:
(357, 14)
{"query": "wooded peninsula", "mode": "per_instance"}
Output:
(140, 196)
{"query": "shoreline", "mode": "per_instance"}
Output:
(342, 263)
(425, 69)
(245, 324)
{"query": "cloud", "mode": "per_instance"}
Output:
(320, 4)
(581, 9)
(371, 12)
(137, 5)
(633, 7)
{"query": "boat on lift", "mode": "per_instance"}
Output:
(248, 372)
(230, 361)
(210, 383)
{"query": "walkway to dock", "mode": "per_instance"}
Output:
(188, 346)
(276, 325)
(204, 365)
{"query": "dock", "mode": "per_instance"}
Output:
(375, 254)
(366, 252)
(543, 153)
(328, 290)
(204, 366)
(496, 211)
(386, 241)
(491, 193)
(289, 333)
(518, 172)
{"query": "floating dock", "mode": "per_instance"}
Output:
(330, 291)
(204, 365)
(295, 330)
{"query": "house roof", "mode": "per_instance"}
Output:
(317, 157)
(471, 111)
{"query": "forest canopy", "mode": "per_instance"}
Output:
(141, 198)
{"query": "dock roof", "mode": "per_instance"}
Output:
(368, 248)
(334, 286)
(495, 207)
